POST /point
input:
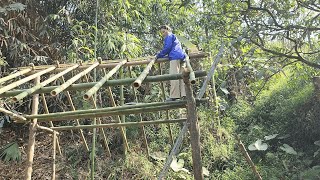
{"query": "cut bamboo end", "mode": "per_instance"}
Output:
(53, 93)
(136, 84)
(86, 96)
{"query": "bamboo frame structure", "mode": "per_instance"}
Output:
(11, 76)
(143, 75)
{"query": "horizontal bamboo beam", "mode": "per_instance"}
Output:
(117, 82)
(126, 124)
(113, 63)
(14, 116)
(98, 85)
(111, 111)
(11, 76)
(24, 80)
(72, 80)
(143, 75)
(44, 83)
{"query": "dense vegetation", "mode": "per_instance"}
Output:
(263, 83)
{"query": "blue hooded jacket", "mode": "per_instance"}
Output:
(172, 48)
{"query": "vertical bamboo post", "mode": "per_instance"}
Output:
(93, 99)
(192, 120)
(140, 117)
(122, 95)
(248, 158)
(55, 140)
(46, 110)
(32, 133)
(164, 98)
(77, 120)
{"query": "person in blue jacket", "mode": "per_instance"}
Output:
(172, 49)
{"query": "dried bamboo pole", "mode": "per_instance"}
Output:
(116, 82)
(112, 109)
(124, 137)
(248, 158)
(127, 124)
(55, 140)
(11, 76)
(140, 118)
(46, 110)
(15, 116)
(77, 120)
(143, 75)
(164, 98)
(44, 83)
(24, 80)
(96, 87)
(99, 122)
(192, 76)
(72, 80)
(32, 133)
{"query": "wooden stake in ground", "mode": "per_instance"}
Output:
(248, 158)
(193, 128)
(32, 133)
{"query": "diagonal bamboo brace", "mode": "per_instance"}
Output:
(11, 76)
(143, 75)
(97, 86)
(72, 80)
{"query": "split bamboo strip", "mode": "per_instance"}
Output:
(98, 85)
(143, 75)
(11, 76)
(46, 110)
(24, 80)
(32, 133)
(44, 83)
(124, 137)
(118, 108)
(140, 118)
(77, 120)
(127, 124)
(117, 82)
(72, 80)
(164, 98)
(54, 155)
(99, 122)
(15, 116)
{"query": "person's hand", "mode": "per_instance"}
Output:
(156, 58)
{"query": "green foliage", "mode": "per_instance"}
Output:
(10, 152)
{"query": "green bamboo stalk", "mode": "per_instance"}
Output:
(11, 76)
(24, 80)
(44, 83)
(143, 75)
(15, 116)
(72, 80)
(117, 82)
(55, 140)
(192, 76)
(164, 98)
(127, 124)
(98, 85)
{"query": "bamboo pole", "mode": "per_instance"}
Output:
(116, 82)
(73, 79)
(124, 137)
(77, 120)
(98, 85)
(140, 118)
(11, 76)
(113, 63)
(55, 140)
(24, 80)
(248, 158)
(15, 116)
(143, 75)
(192, 76)
(164, 98)
(123, 117)
(111, 109)
(44, 83)
(32, 133)
(99, 122)
(46, 110)
(193, 128)
(126, 124)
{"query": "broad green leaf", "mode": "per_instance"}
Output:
(288, 149)
(178, 165)
(317, 143)
(258, 145)
(17, 7)
(270, 137)
(205, 171)
(160, 156)
(10, 152)
(224, 90)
